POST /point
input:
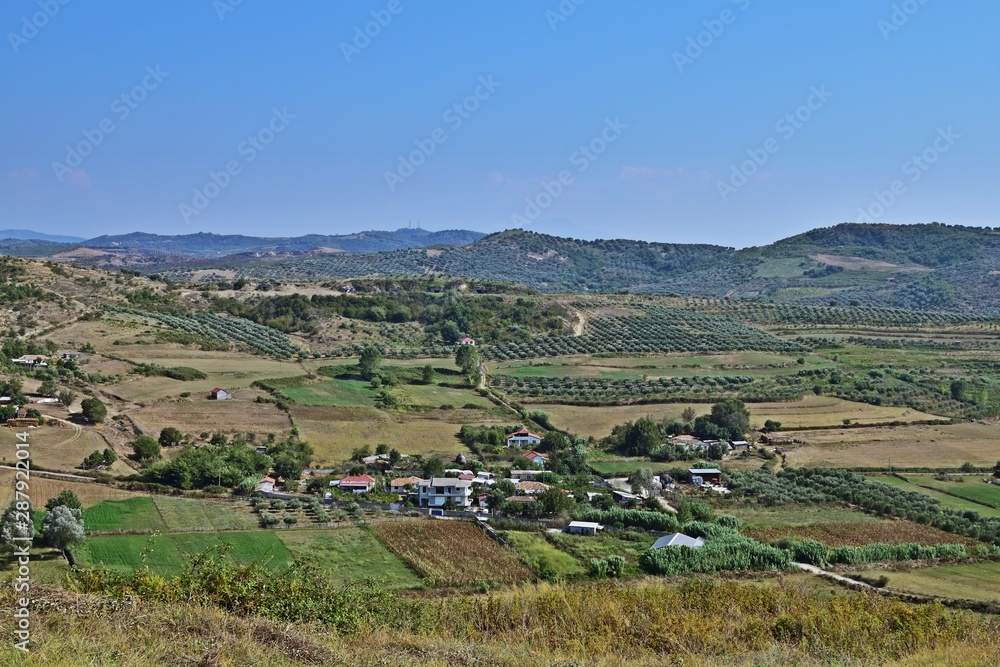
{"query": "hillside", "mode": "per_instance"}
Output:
(26, 234)
(916, 266)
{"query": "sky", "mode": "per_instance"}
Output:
(730, 122)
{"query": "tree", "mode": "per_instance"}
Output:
(427, 375)
(65, 499)
(49, 387)
(94, 410)
(450, 333)
(688, 414)
(770, 426)
(369, 361)
(433, 467)
(394, 456)
(467, 358)
(553, 501)
(732, 417)
(996, 469)
(146, 449)
(109, 456)
(381, 448)
(641, 480)
(361, 453)
(66, 397)
(16, 526)
(170, 437)
(287, 466)
(62, 528)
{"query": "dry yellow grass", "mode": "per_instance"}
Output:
(58, 448)
(43, 488)
(808, 412)
(197, 414)
(906, 446)
(335, 432)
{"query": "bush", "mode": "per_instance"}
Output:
(616, 566)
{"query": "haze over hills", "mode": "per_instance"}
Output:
(27, 234)
(929, 266)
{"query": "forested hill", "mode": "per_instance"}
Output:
(216, 245)
(913, 266)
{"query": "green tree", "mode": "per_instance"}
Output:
(688, 414)
(433, 467)
(62, 528)
(289, 467)
(467, 358)
(94, 410)
(427, 375)
(770, 426)
(146, 449)
(65, 498)
(553, 501)
(394, 456)
(450, 333)
(369, 361)
(49, 387)
(66, 397)
(170, 437)
(641, 480)
(732, 417)
(109, 456)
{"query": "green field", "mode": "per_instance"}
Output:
(970, 487)
(334, 392)
(350, 554)
(626, 466)
(584, 547)
(546, 560)
(164, 554)
(182, 514)
(949, 502)
(973, 581)
(137, 513)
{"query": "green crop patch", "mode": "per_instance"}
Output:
(137, 513)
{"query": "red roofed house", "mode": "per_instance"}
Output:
(535, 457)
(220, 394)
(467, 341)
(358, 484)
(522, 437)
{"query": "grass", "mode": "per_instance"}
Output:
(56, 448)
(622, 467)
(165, 554)
(810, 411)
(791, 514)
(545, 559)
(860, 534)
(333, 392)
(350, 554)
(180, 514)
(973, 581)
(947, 501)
(138, 513)
(970, 487)
(198, 413)
(43, 488)
(584, 547)
(903, 446)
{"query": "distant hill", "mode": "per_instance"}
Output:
(32, 247)
(27, 234)
(929, 266)
(217, 245)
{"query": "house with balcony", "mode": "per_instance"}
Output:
(435, 492)
(522, 437)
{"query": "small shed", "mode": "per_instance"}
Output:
(583, 528)
(221, 394)
(705, 475)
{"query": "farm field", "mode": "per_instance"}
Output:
(335, 432)
(451, 553)
(656, 366)
(165, 554)
(795, 515)
(860, 534)
(58, 448)
(971, 487)
(968, 581)
(43, 488)
(626, 466)
(333, 392)
(199, 414)
(137, 513)
(947, 501)
(350, 554)
(810, 411)
(920, 446)
(544, 559)
(585, 547)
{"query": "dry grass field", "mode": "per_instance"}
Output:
(968, 581)
(905, 446)
(860, 534)
(808, 412)
(43, 488)
(58, 448)
(198, 414)
(335, 432)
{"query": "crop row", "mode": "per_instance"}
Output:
(788, 313)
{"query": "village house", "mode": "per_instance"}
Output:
(31, 360)
(524, 475)
(775, 439)
(221, 394)
(404, 484)
(467, 341)
(435, 492)
(678, 540)
(522, 437)
(536, 457)
(357, 484)
(583, 528)
(529, 488)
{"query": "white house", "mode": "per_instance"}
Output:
(467, 341)
(30, 360)
(357, 484)
(221, 394)
(522, 437)
(524, 475)
(435, 492)
(583, 528)
(404, 484)
(678, 540)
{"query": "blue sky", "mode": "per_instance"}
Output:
(733, 122)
